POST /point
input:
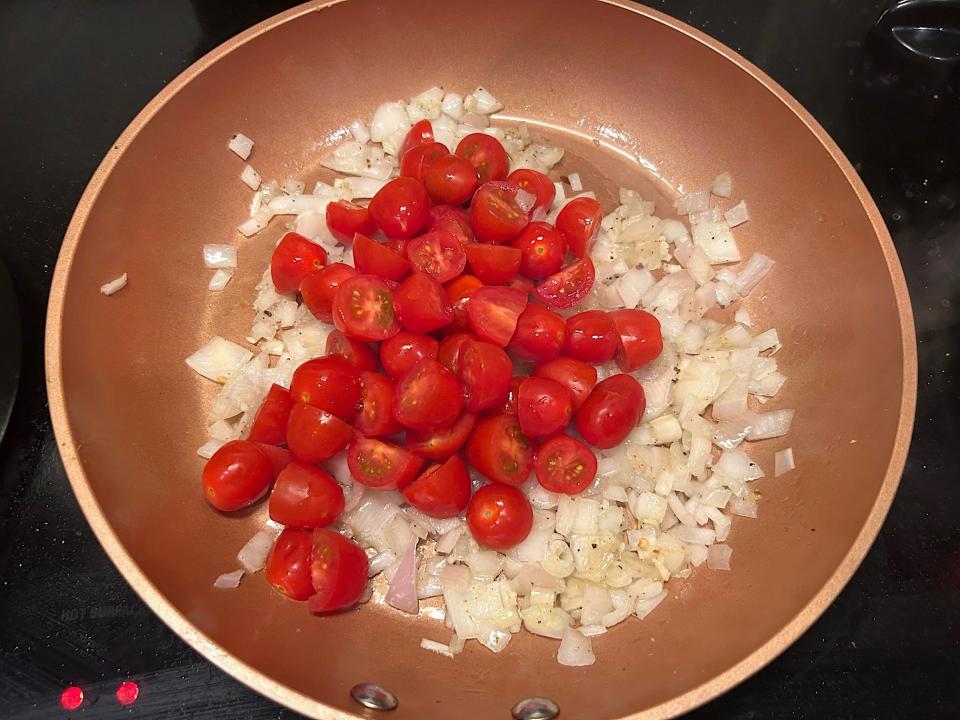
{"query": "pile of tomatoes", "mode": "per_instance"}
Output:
(418, 379)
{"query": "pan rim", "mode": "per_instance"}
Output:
(303, 703)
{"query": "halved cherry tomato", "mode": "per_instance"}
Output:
(565, 465)
(535, 183)
(293, 259)
(591, 337)
(422, 304)
(459, 291)
(450, 180)
(541, 248)
(314, 435)
(359, 354)
(380, 465)
(345, 219)
(237, 475)
(441, 442)
(451, 348)
(319, 288)
(495, 214)
(428, 396)
(499, 450)
(376, 406)
(442, 491)
(364, 308)
(374, 258)
(329, 383)
(279, 457)
(569, 286)
(499, 516)
(270, 424)
(420, 134)
(486, 154)
(399, 246)
(338, 572)
(510, 404)
(575, 375)
(640, 341)
(522, 284)
(288, 564)
(611, 411)
(454, 220)
(484, 371)
(415, 161)
(493, 312)
(400, 208)
(544, 406)
(579, 223)
(404, 350)
(493, 264)
(539, 335)
(305, 496)
(437, 254)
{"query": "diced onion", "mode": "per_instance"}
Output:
(219, 256)
(575, 650)
(115, 285)
(253, 556)
(737, 215)
(250, 177)
(770, 425)
(228, 581)
(692, 202)
(402, 591)
(219, 359)
(718, 557)
(755, 269)
(437, 647)
(219, 280)
(210, 447)
(241, 145)
(575, 183)
(783, 462)
(722, 185)
(292, 186)
(359, 130)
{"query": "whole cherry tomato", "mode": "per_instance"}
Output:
(270, 424)
(499, 450)
(640, 341)
(565, 465)
(305, 496)
(428, 396)
(591, 337)
(338, 572)
(404, 350)
(495, 214)
(442, 491)
(288, 564)
(329, 383)
(237, 475)
(539, 335)
(293, 259)
(450, 180)
(579, 223)
(541, 250)
(611, 411)
(499, 516)
(364, 309)
(319, 288)
(314, 435)
(380, 465)
(486, 154)
(400, 208)
(544, 407)
(345, 219)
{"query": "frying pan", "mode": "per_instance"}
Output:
(637, 99)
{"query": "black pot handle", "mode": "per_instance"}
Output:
(924, 30)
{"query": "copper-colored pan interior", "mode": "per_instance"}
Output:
(635, 98)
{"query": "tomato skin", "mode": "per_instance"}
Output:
(539, 335)
(329, 383)
(451, 180)
(380, 465)
(237, 475)
(484, 371)
(443, 442)
(510, 403)
(422, 305)
(565, 465)
(442, 491)
(404, 350)
(279, 457)
(305, 496)
(499, 516)
(611, 411)
(495, 215)
(364, 308)
(541, 248)
(345, 219)
(569, 286)
(358, 354)
(292, 260)
(319, 288)
(420, 134)
(376, 406)
(486, 154)
(579, 223)
(493, 313)
(459, 291)
(314, 435)
(437, 254)
(591, 337)
(535, 183)
(544, 407)
(427, 397)
(575, 375)
(399, 246)
(451, 349)
(338, 572)
(400, 208)
(500, 451)
(493, 264)
(640, 341)
(455, 220)
(415, 161)
(373, 258)
(270, 424)
(288, 564)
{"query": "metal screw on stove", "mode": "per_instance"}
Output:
(535, 708)
(374, 697)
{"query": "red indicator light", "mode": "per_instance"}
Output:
(71, 698)
(127, 692)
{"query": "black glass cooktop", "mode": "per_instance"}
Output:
(74, 72)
